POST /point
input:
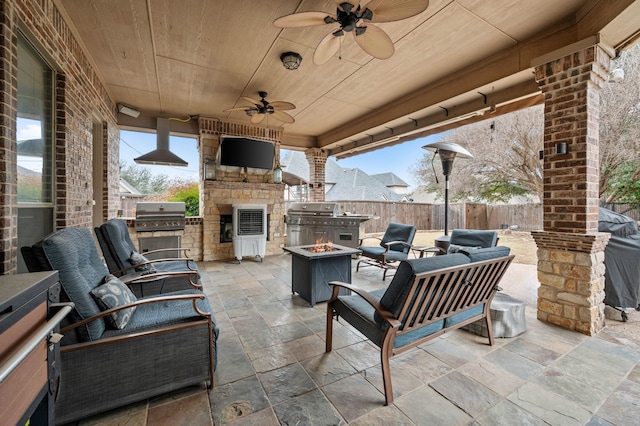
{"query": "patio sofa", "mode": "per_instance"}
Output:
(426, 298)
(118, 349)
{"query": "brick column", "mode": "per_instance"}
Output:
(570, 249)
(317, 159)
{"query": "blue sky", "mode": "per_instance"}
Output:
(398, 159)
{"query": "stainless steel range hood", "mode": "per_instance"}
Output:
(161, 156)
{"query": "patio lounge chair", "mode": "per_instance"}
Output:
(122, 257)
(118, 349)
(394, 247)
(466, 238)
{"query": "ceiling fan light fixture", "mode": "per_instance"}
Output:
(291, 60)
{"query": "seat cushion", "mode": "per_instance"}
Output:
(120, 244)
(395, 295)
(473, 238)
(480, 254)
(372, 252)
(464, 315)
(398, 232)
(73, 252)
(361, 315)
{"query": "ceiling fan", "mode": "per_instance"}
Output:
(259, 110)
(350, 14)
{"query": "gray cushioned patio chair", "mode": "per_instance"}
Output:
(122, 258)
(462, 239)
(394, 247)
(168, 343)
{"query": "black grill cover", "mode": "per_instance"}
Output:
(621, 259)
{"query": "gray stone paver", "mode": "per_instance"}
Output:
(272, 368)
(623, 405)
(548, 406)
(425, 406)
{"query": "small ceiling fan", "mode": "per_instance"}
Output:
(350, 14)
(259, 110)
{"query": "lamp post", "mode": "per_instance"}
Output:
(447, 152)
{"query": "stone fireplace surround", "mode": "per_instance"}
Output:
(234, 186)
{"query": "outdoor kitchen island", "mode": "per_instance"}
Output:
(314, 266)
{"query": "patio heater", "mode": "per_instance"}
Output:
(447, 152)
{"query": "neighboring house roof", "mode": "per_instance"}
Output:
(345, 183)
(390, 179)
(127, 189)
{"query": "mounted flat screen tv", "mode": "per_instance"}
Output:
(246, 152)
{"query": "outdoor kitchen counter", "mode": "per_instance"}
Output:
(311, 271)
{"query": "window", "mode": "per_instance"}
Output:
(34, 126)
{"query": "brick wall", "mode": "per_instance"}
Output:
(572, 109)
(570, 249)
(317, 159)
(81, 100)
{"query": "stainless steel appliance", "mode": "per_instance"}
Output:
(160, 216)
(312, 223)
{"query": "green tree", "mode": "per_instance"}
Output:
(143, 180)
(186, 191)
(505, 149)
(620, 132)
(505, 160)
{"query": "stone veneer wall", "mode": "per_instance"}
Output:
(81, 100)
(570, 249)
(232, 186)
(190, 237)
(571, 275)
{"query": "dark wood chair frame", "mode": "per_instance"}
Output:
(433, 296)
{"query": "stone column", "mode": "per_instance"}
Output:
(317, 159)
(570, 249)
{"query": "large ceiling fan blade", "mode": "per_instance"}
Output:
(395, 10)
(302, 19)
(283, 116)
(253, 101)
(282, 105)
(257, 118)
(375, 42)
(237, 109)
(327, 47)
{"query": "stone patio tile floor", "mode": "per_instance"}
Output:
(272, 368)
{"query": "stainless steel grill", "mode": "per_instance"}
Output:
(160, 216)
(314, 223)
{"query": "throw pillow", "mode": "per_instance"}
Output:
(455, 248)
(138, 259)
(113, 294)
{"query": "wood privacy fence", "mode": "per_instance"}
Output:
(527, 217)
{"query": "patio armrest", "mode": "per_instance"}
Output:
(375, 303)
(184, 251)
(368, 237)
(150, 277)
(126, 270)
(159, 299)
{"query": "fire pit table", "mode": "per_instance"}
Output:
(314, 266)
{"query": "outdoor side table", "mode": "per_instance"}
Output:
(426, 251)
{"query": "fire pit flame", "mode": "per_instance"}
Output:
(321, 247)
